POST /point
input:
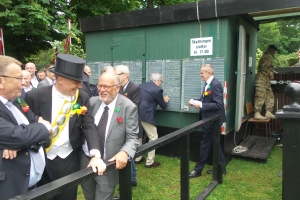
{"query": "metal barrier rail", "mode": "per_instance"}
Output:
(51, 189)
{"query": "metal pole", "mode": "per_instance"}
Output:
(125, 182)
(184, 167)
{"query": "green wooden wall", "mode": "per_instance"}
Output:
(172, 41)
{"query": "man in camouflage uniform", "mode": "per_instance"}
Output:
(263, 91)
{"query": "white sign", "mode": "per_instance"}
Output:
(201, 46)
(250, 61)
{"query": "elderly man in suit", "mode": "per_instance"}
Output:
(117, 120)
(64, 104)
(50, 78)
(210, 103)
(31, 68)
(22, 133)
(152, 95)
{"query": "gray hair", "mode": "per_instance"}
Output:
(123, 69)
(156, 76)
(208, 68)
(107, 69)
(5, 61)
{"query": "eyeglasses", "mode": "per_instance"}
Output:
(161, 81)
(105, 87)
(19, 78)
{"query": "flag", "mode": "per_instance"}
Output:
(55, 55)
(66, 46)
(2, 52)
(68, 40)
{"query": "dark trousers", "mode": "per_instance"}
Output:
(205, 146)
(58, 168)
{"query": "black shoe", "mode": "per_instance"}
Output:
(155, 164)
(133, 184)
(211, 171)
(117, 197)
(138, 162)
(194, 174)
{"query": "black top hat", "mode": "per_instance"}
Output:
(70, 66)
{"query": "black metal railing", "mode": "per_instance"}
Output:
(51, 189)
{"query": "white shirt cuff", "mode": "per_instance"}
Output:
(95, 153)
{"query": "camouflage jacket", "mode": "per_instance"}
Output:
(265, 70)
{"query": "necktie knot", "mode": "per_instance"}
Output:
(106, 108)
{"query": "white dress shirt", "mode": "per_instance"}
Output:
(34, 82)
(97, 117)
(62, 146)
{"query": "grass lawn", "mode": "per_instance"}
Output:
(245, 179)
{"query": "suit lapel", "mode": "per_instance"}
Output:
(96, 107)
(115, 115)
(8, 113)
(46, 104)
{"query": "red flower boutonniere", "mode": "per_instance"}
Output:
(25, 107)
(206, 93)
(119, 120)
(125, 94)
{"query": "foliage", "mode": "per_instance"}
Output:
(286, 60)
(29, 25)
(284, 34)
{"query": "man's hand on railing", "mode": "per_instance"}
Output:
(121, 159)
(97, 165)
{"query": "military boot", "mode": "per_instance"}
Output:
(270, 115)
(258, 116)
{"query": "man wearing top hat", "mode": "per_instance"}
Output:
(63, 105)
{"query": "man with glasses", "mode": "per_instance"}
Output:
(50, 78)
(117, 120)
(63, 104)
(152, 95)
(22, 160)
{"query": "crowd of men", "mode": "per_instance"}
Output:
(54, 127)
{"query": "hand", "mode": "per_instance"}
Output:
(97, 164)
(191, 102)
(166, 98)
(9, 154)
(121, 159)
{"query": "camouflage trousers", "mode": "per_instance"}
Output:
(263, 95)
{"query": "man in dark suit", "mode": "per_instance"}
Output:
(50, 78)
(117, 120)
(54, 103)
(21, 132)
(152, 95)
(91, 89)
(210, 103)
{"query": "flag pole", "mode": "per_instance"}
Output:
(2, 39)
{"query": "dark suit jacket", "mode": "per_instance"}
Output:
(40, 102)
(213, 104)
(152, 95)
(14, 174)
(133, 92)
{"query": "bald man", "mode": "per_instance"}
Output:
(30, 67)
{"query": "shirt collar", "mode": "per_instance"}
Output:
(4, 100)
(209, 80)
(59, 96)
